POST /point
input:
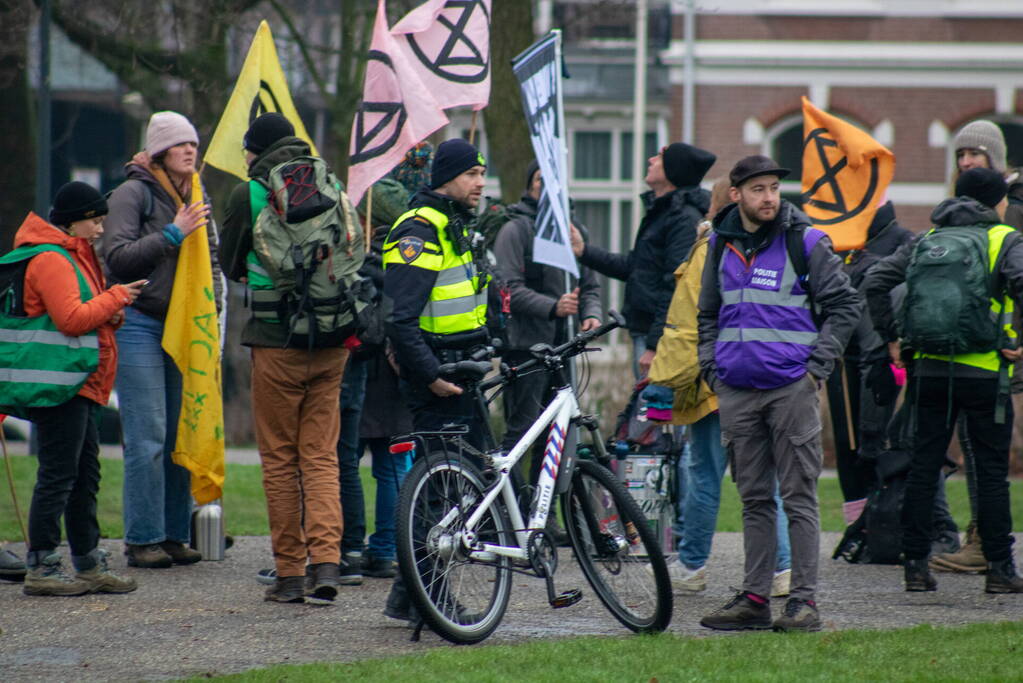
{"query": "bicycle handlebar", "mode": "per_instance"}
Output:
(572, 347)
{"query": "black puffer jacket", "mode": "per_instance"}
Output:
(665, 237)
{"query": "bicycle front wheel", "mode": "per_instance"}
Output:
(616, 549)
(462, 599)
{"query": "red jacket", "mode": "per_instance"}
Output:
(51, 286)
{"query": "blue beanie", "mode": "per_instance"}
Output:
(453, 158)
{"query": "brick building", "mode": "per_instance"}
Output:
(910, 72)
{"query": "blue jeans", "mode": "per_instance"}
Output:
(157, 492)
(706, 461)
(388, 471)
(353, 505)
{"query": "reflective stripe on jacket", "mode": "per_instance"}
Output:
(458, 300)
(766, 331)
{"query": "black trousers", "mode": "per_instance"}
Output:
(976, 399)
(68, 477)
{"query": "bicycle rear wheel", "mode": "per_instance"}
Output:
(617, 550)
(461, 599)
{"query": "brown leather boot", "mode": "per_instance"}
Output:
(970, 558)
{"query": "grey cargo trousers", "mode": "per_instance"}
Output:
(767, 434)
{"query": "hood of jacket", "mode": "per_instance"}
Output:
(884, 215)
(957, 211)
(525, 207)
(34, 230)
(728, 224)
(285, 149)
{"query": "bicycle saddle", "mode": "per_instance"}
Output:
(465, 371)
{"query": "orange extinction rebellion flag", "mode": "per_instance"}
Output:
(845, 175)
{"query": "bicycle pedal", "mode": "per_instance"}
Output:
(567, 599)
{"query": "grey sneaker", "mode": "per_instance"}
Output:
(799, 615)
(684, 579)
(287, 589)
(744, 611)
(781, 583)
(49, 579)
(101, 580)
(350, 569)
(12, 568)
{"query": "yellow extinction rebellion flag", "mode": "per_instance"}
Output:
(260, 88)
(845, 176)
(191, 336)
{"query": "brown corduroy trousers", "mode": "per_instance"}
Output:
(295, 402)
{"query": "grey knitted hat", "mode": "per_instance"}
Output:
(988, 138)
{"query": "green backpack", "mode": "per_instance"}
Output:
(949, 287)
(39, 365)
(311, 245)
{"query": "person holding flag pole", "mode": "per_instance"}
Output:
(168, 371)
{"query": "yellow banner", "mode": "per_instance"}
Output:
(845, 176)
(191, 336)
(261, 88)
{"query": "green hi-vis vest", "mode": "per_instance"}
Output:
(265, 298)
(1001, 311)
(458, 300)
(39, 365)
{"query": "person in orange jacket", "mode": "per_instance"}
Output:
(68, 476)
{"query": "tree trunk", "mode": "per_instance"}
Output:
(17, 144)
(510, 149)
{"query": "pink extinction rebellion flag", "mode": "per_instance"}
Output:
(447, 42)
(397, 112)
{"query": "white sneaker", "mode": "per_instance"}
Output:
(780, 583)
(684, 579)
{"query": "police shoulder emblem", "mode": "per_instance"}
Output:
(410, 248)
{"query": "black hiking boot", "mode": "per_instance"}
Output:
(918, 576)
(324, 579)
(1002, 578)
(745, 611)
(287, 589)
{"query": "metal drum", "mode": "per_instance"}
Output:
(648, 479)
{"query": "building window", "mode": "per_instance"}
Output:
(596, 216)
(649, 149)
(592, 155)
(786, 147)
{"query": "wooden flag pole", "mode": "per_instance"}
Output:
(472, 126)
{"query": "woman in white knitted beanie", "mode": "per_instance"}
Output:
(151, 214)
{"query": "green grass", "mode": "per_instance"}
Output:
(979, 652)
(245, 505)
(244, 502)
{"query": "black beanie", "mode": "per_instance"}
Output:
(685, 165)
(77, 201)
(453, 158)
(986, 185)
(266, 130)
(531, 170)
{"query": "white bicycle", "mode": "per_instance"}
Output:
(461, 535)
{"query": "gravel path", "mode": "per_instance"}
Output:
(210, 618)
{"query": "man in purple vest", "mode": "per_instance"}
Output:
(776, 310)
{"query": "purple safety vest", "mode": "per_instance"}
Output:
(766, 331)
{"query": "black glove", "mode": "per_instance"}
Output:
(881, 382)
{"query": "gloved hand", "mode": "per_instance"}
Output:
(881, 382)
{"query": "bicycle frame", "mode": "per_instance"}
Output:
(557, 415)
